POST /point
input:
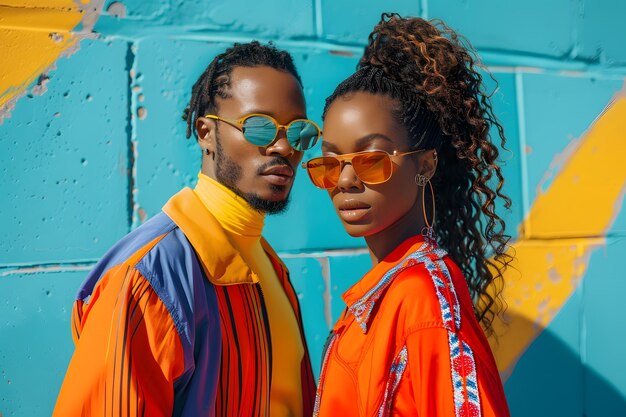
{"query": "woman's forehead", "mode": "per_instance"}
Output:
(362, 118)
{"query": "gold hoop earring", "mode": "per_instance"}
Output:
(428, 231)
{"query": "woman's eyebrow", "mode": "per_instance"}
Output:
(326, 146)
(364, 141)
(361, 143)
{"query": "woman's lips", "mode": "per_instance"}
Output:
(352, 211)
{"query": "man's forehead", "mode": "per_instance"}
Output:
(247, 81)
(265, 90)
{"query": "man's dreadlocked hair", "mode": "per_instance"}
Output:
(430, 72)
(215, 80)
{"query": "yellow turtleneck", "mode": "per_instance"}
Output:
(244, 225)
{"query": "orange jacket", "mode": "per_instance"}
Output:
(409, 344)
(173, 322)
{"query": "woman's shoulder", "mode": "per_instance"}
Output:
(412, 278)
(414, 298)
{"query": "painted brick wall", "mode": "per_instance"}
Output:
(93, 144)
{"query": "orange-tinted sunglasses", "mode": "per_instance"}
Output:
(371, 167)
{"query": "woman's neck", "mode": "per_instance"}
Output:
(384, 242)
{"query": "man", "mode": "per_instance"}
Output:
(186, 315)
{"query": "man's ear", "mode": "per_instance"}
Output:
(206, 134)
(428, 163)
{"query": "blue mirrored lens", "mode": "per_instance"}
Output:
(259, 130)
(302, 135)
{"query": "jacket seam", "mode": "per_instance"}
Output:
(150, 276)
(424, 326)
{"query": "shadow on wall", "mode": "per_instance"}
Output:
(550, 380)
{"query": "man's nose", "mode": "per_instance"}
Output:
(281, 145)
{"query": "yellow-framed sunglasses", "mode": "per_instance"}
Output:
(371, 167)
(262, 130)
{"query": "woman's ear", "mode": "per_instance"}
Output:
(428, 163)
(206, 134)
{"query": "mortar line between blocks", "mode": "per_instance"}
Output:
(324, 254)
(134, 140)
(317, 13)
(38, 269)
(328, 295)
(424, 7)
(582, 332)
(521, 126)
(131, 59)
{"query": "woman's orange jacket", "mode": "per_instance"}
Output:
(409, 344)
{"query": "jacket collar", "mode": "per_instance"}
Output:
(221, 261)
(361, 298)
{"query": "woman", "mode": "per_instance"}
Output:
(406, 141)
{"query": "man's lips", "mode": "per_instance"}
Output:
(278, 175)
(280, 170)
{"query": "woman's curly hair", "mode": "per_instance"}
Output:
(432, 75)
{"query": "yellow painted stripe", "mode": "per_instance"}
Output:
(31, 40)
(542, 278)
(583, 200)
(39, 19)
(44, 4)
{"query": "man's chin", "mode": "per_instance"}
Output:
(267, 206)
(272, 201)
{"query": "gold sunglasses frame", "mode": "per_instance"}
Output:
(238, 124)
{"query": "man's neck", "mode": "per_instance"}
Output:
(231, 211)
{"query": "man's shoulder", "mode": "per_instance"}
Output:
(159, 253)
(137, 241)
(129, 250)
(170, 255)
(162, 253)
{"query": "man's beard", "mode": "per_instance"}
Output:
(228, 172)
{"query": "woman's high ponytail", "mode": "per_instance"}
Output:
(433, 76)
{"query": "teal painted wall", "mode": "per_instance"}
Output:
(103, 148)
